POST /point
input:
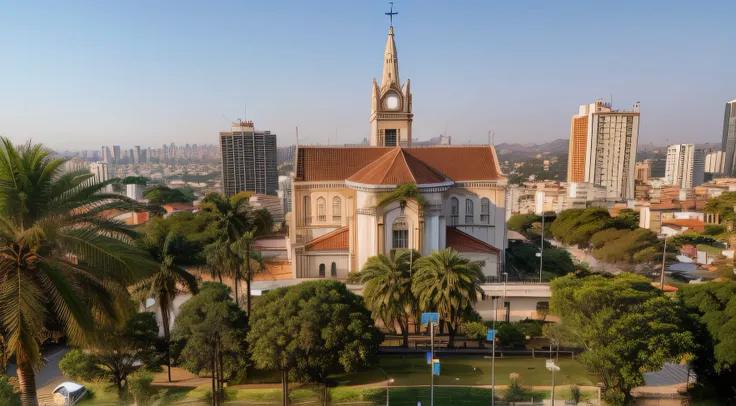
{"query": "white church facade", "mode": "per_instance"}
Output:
(335, 224)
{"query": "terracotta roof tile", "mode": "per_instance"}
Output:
(462, 242)
(458, 163)
(338, 240)
(396, 167)
(693, 224)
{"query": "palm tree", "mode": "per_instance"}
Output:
(448, 284)
(387, 290)
(402, 194)
(170, 280)
(244, 248)
(63, 261)
(234, 218)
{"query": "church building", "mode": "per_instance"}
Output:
(334, 223)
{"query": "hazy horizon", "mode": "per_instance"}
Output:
(82, 74)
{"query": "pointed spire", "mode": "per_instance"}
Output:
(390, 62)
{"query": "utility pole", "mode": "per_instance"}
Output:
(431, 370)
(664, 258)
(541, 250)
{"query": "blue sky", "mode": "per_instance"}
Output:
(80, 74)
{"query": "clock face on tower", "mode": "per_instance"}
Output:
(391, 101)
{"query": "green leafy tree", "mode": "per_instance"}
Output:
(8, 395)
(63, 263)
(713, 321)
(387, 290)
(627, 219)
(522, 222)
(723, 206)
(510, 335)
(447, 283)
(164, 195)
(475, 330)
(576, 226)
(312, 330)
(626, 326)
(117, 352)
(213, 331)
(522, 261)
(80, 366)
(627, 246)
(171, 278)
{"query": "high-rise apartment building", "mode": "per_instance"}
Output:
(137, 155)
(602, 148)
(116, 154)
(699, 167)
(101, 174)
(248, 160)
(106, 154)
(728, 142)
(679, 169)
(715, 162)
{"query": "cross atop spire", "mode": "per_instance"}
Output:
(391, 13)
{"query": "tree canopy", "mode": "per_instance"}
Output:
(576, 226)
(713, 324)
(626, 326)
(213, 331)
(164, 195)
(312, 330)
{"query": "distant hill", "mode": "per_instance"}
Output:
(556, 146)
(560, 146)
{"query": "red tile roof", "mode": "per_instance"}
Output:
(397, 167)
(338, 240)
(461, 163)
(692, 224)
(462, 242)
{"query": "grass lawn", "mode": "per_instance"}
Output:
(468, 370)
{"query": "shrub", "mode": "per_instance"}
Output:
(140, 386)
(80, 366)
(8, 395)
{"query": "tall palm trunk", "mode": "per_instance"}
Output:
(237, 283)
(164, 304)
(27, 383)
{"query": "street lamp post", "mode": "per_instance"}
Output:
(389, 381)
(493, 354)
(554, 368)
(541, 250)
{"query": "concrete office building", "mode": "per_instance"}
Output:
(679, 169)
(728, 143)
(248, 160)
(116, 154)
(602, 148)
(715, 162)
(137, 155)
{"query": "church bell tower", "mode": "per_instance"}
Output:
(391, 115)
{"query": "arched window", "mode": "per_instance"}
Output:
(454, 211)
(321, 270)
(400, 234)
(469, 211)
(321, 213)
(485, 210)
(333, 270)
(336, 209)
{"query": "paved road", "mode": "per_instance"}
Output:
(51, 370)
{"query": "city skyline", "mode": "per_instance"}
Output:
(160, 71)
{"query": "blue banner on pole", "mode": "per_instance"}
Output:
(430, 318)
(436, 367)
(491, 335)
(429, 357)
